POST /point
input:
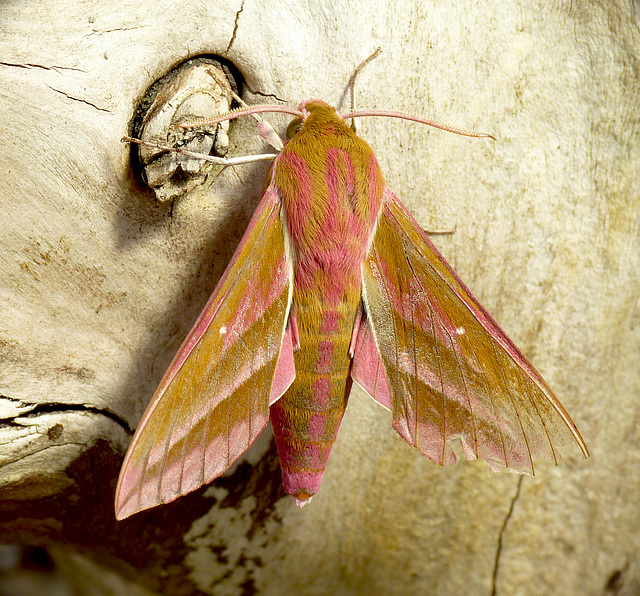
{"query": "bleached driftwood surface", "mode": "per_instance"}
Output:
(100, 284)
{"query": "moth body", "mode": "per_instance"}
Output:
(331, 188)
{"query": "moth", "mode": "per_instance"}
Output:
(335, 282)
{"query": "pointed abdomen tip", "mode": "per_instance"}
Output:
(302, 498)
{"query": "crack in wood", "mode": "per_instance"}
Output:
(42, 66)
(61, 408)
(494, 581)
(235, 26)
(79, 99)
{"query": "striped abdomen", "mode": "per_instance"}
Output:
(307, 417)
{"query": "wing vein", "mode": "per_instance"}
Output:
(515, 408)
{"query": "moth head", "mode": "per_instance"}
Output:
(294, 127)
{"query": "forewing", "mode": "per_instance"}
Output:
(452, 371)
(214, 399)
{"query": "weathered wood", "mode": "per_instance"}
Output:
(100, 283)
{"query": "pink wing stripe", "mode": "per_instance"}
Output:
(223, 392)
(451, 382)
(269, 201)
(485, 319)
(367, 369)
(169, 455)
(285, 371)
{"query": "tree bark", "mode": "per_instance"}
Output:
(100, 284)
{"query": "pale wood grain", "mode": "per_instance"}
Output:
(100, 284)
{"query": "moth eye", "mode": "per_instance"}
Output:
(294, 128)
